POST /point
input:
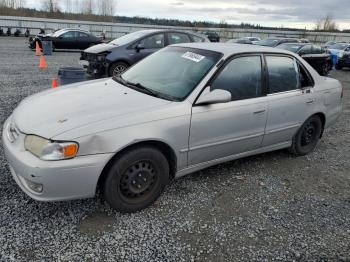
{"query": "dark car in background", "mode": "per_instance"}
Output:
(276, 41)
(343, 59)
(244, 41)
(315, 55)
(115, 57)
(212, 36)
(67, 39)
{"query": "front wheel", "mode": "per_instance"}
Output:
(305, 141)
(117, 69)
(136, 179)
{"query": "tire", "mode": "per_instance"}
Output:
(117, 69)
(136, 179)
(305, 141)
(325, 69)
(338, 67)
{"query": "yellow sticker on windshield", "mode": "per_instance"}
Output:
(193, 57)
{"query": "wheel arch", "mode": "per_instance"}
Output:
(163, 147)
(322, 116)
(118, 61)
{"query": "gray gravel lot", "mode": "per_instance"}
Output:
(268, 207)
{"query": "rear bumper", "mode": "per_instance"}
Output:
(61, 180)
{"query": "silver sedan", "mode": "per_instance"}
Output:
(182, 109)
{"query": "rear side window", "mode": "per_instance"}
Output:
(241, 77)
(153, 42)
(283, 74)
(317, 49)
(83, 35)
(197, 39)
(177, 38)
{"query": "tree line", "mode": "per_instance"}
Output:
(104, 10)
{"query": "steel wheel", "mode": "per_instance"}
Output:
(138, 181)
(307, 137)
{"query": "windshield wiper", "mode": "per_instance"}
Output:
(142, 88)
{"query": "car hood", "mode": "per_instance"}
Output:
(57, 111)
(100, 48)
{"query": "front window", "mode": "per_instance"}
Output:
(241, 77)
(153, 42)
(171, 73)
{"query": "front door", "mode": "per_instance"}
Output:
(149, 45)
(227, 129)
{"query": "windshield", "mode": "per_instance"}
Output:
(59, 32)
(339, 46)
(172, 72)
(268, 42)
(129, 38)
(293, 48)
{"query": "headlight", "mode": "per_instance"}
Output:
(50, 150)
(101, 58)
(341, 54)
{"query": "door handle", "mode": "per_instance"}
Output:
(259, 112)
(311, 101)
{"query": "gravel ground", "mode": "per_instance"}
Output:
(263, 208)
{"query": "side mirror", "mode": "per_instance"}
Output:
(214, 97)
(139, 47)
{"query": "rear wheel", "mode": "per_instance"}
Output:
(307, 137)
(338, 67)
(325, 69)
(117, 69)
(136, 179)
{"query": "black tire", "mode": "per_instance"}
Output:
(338, 67)
(305, 141)
(325, 69)
(117, 69)
(136, 179)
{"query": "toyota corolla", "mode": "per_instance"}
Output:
(182, 109)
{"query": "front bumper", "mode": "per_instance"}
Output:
(344, 62)
(94, 67)
(61, 180)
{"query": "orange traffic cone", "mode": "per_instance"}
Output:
(54, 83)
(42, 63)
(37, 48)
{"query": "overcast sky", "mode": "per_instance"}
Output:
(287, 13)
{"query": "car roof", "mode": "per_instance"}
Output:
(230, 49)
(151, 31)
(298, 43)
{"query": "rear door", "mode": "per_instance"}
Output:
(83, 40)
(227, 129)
(67, 40)
(150, 44)
(290, 98)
